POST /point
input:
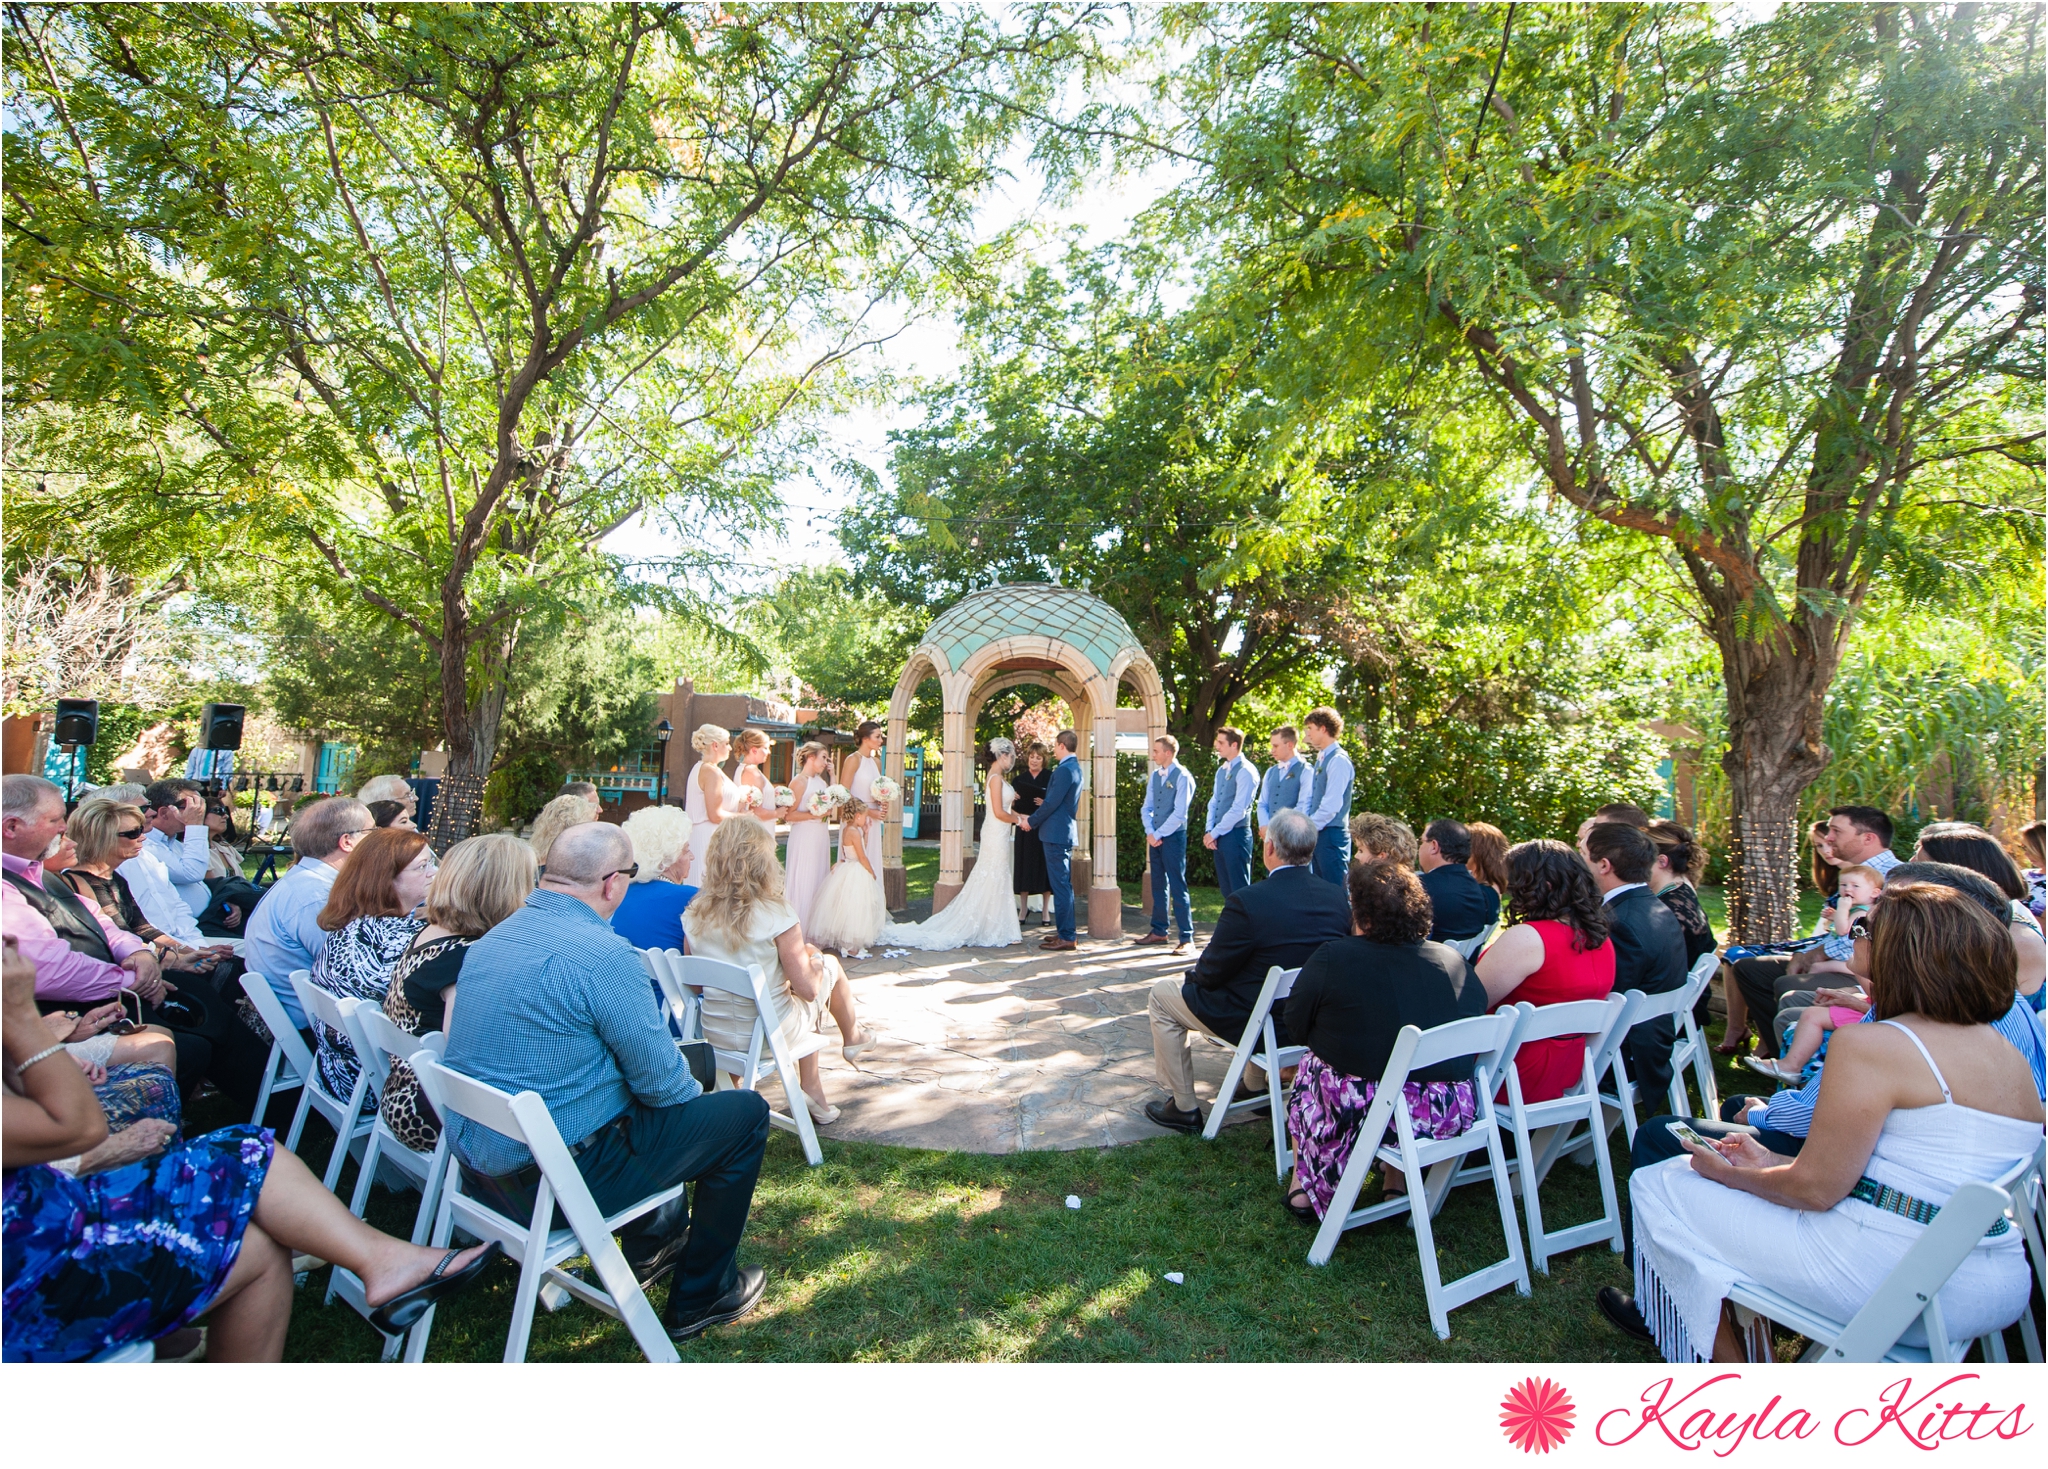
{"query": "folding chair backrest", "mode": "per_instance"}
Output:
(382, 1042)
(1650, 1007)
(1573, 1017)
(319, 1005)
(1468, 948)
(716, 974)
(1701, 975)
(282, 1031)
(665, 967)
(456, 1095)
(1481, 1037)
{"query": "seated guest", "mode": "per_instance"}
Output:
(742, 917)
(1776, 983)
(1618, 811)
(651, 917)
(391, 788)
(169, 873)
(1348, 1007)
(100, 836)
(1926, 1099)
(369, 922)
(587, 792)
(1464, 906)
(1281, 919)
(284, 931)
(485, 880)
(555, 818)
(1489, 859)
(83, 957)
(1649, 946)
(554, 1002)
(208, 1229)
(1965, 845)
(391, 814)
(1557, 950)
(232, 895)
(1377, 836)
(1678, 866)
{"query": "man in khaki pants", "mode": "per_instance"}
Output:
(1280, 920)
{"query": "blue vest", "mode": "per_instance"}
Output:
(1320, 787)
(1224, 791)
(1285, 793)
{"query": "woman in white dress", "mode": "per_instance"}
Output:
(1913, 1106)
(808, 854)
(848, 912)
(740, 915)
(858, 772)
(753, 776)
(712, 795)
(984, 914)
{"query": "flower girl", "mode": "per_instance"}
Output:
(848, 912)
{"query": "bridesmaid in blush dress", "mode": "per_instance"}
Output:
(753, 775)
(712, 796)
(858, 772)
(808, 856)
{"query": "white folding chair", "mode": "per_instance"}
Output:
(539, 1249)
(1912, 1291)
(681, 1007)
(1688, 1049)
(378, 1042)
(1594, 1023)
(1485, 1038)
(289, 1060)
(346, 1115)
(751, 983)
(1691, 1048)
(1469, 948)
(1260, 1043)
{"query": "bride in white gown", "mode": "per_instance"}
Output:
(984, 914)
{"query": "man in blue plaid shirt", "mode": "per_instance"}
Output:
(552, 1001)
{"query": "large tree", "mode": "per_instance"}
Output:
(1767, 291)
(447, 293)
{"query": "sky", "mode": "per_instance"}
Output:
(927, 349)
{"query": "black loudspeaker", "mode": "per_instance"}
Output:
(78, 722)
(220, 727)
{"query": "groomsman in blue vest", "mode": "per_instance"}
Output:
(1168, 794)
(1229, 830)
(1285, 784)
(1329, 795)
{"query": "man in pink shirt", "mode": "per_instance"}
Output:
(108, 959)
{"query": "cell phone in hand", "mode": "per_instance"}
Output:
(1686, 1135)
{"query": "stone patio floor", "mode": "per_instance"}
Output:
(1002, 1050)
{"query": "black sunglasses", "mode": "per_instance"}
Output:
(628, 873)
(129, 836)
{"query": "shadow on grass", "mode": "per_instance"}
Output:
(892, 1254)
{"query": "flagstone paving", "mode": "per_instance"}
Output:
(1003, 1050)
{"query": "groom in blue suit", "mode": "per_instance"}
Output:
(1054, 823)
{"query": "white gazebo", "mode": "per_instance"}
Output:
(998, 638)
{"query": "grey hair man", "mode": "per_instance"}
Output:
(554, 1002)
(284, 932)
(391, 788)
(1279, 920)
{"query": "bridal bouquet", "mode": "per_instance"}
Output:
(784, 798)
(747, 799)
(883, 791)
(837, 795)
(819, 801)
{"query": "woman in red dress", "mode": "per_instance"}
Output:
(1558, 950)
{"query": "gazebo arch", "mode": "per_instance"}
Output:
(1025, 632)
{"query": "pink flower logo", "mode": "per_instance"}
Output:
(1536, 1415)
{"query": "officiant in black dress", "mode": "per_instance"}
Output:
(1028, 874)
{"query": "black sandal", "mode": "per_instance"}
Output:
(1302, 1210)
(402, 1310)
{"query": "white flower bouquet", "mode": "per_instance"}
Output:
(747, 799)
(837, 795)
(883, 791)
(819, 801)
(784, 798)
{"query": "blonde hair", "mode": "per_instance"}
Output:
(740, 874)
(95, 828)
(482, 882)
(658, 834)
(809, 748)
(555, 818)
(709, 737)
(750, 739)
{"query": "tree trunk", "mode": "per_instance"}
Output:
(1776, 699)
(471, 727)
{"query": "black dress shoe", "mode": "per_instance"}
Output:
(657, 1267)
(1620, 1308)
(402, 1310)
(1164, 1113)
(735, 1303)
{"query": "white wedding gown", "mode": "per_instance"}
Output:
(984, 914)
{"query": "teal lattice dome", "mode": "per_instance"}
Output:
(1021, 610)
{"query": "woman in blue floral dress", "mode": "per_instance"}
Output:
(134, 1253)
(1348, 1007)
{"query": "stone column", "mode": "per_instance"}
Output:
(953, 799)
(1105, 898)
(895, 889)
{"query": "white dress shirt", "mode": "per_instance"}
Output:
(186, 859)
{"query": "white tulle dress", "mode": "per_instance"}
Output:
(848, 912)
(984, 914)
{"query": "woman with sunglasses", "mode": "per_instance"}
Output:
(104, 834)
(371, 918)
